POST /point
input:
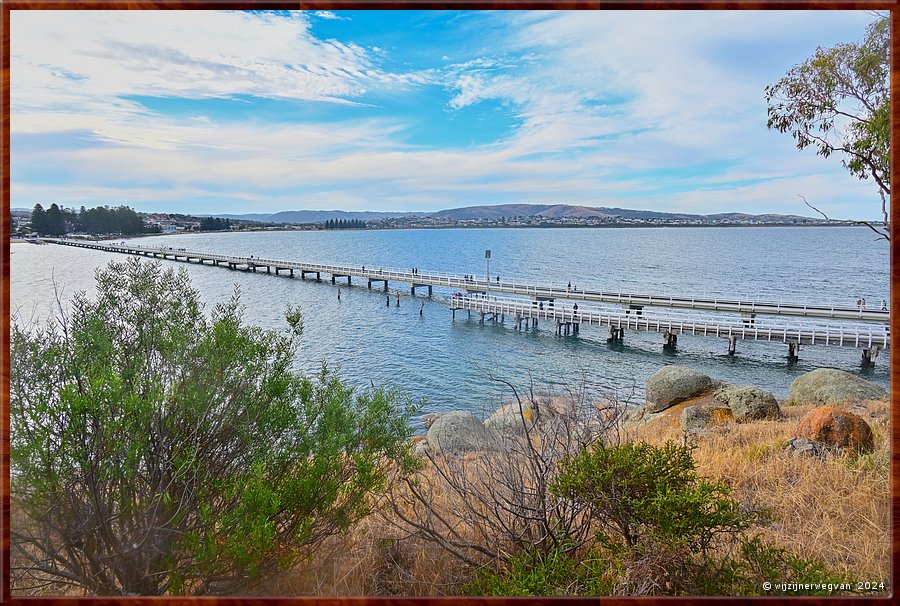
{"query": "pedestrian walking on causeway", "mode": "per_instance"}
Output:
(884, 305)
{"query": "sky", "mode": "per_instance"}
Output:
(253, 112)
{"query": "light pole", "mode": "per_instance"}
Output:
(487, 260)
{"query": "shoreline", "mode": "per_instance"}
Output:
(299, 227)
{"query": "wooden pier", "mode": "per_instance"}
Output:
(568, 319)
(756, 320)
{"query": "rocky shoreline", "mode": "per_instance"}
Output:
(675, 394)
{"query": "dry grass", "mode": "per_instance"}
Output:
(372, 560)
(836, 509)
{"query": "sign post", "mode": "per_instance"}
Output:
(487, 260)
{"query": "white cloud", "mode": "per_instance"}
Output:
(611, 109)
(330, 15)
(65, 57)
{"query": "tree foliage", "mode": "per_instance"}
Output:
(157, 450)
(214, 224)
(51, 221)
(106, 220)
(344, 224)
(838, 101)
(57, 221)
(637, 489)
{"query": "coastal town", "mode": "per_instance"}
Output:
(503, 216)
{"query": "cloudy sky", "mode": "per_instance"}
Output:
(214, 112)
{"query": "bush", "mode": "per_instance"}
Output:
(553, 573)
(639, 489)
(488, 506)
(155, 450)
(659, 525)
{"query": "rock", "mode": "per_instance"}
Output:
(829, 386)
(421, 448)
(511, 422)
(673, 384)
(749, 403)
(458, 431)
(802, 446)
(429, 419)
(694, 418)
(836, 429)
(698, 418)
(508, 418)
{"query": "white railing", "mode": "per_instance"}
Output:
(805, 333)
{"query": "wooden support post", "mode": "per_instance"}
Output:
(370, 283)
(429, 291)
(333, 279)
(869, 354)
(269, 269)
(349, 280)
(385, 286)
(732, 345)
(793, 351)
(670, 340)
(412, 290)
(318, 277)
(292, 272)
(453, 311)
(481, 321)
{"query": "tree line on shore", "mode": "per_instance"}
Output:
(58, 221)
(344, 224)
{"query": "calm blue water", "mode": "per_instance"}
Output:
(448, 362)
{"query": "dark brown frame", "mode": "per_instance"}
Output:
(892, 5)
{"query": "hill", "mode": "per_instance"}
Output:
(569, 211)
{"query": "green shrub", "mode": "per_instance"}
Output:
(157, 450)
(637, 490)
(554, 573)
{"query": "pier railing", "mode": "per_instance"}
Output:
(807, 333)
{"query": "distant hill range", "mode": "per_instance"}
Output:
(497, 212)
(567, 211)
(507, 211)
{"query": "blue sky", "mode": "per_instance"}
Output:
(215, 112)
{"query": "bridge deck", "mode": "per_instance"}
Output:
(536, 291)
(804, 333)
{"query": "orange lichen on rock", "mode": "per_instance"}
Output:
(836, 429)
